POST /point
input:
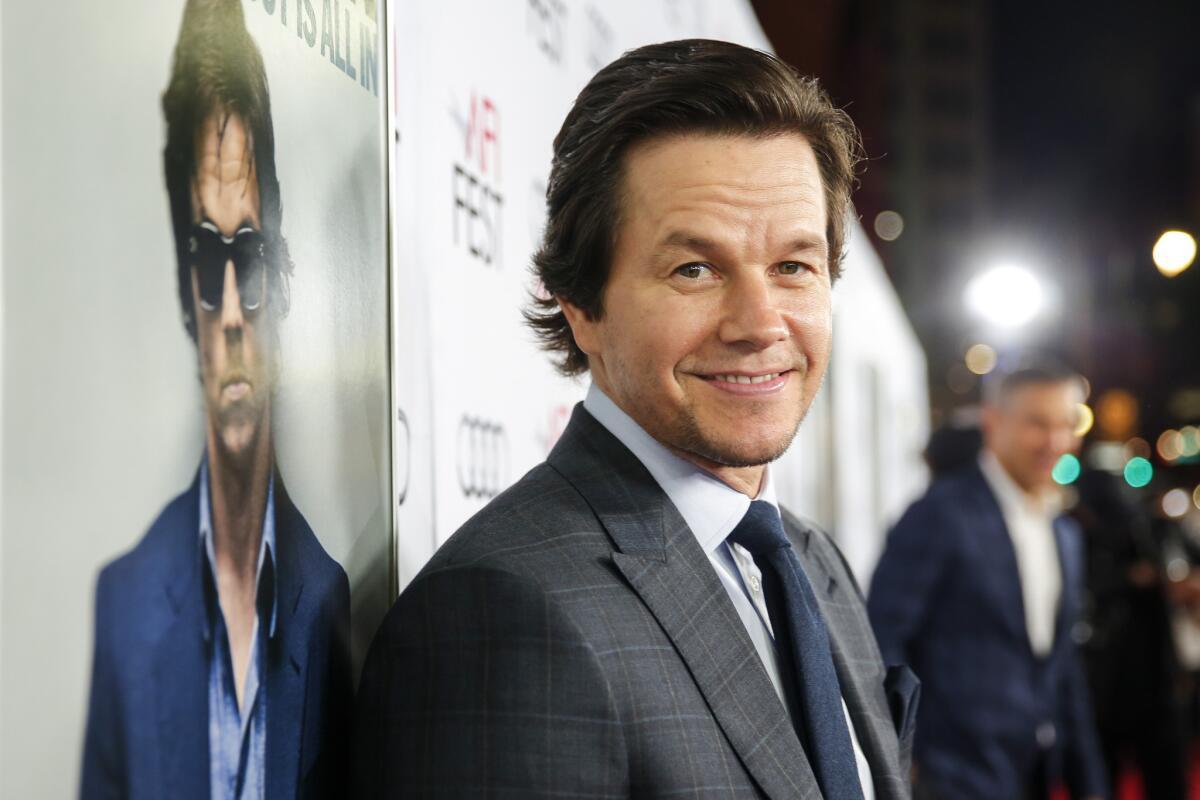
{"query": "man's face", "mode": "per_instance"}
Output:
(235, 354)
(1031, 429)
(717, 322)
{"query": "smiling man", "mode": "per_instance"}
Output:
(637, 617)
(220, 666)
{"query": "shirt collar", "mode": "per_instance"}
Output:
(265, 572)
(1011, 496)
(710, 508)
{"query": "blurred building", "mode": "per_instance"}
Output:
(914, 75)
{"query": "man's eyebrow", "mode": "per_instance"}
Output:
(809, 242)
(689, 241)
(697, 243)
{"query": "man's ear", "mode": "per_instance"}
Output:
(583, 327)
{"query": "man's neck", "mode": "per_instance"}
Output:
(1037, 496)
(238, 494)
(747, 480)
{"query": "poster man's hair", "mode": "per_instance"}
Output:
(218, 68)
(692, 86)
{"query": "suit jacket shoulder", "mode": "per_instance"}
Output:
(540, 517)
(129, 588)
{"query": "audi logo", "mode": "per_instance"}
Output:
(482, 457)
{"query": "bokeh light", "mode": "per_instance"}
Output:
(980, 359)
(1066, 470)
(1191, 440)
(1138, 472)
(1007, 296)
(889, 225)
(1175, 503)
(1086, 420)
(1196, 497)
(1136, 447)
(1170, 445)
(1174, 252)
(1116, 414)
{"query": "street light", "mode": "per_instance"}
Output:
(1174, 252)
(1007, 296)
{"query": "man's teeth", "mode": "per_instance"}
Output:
(747, 379)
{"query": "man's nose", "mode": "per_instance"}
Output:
(231, 300)
(751, 314)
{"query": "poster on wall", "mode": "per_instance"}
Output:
(216, 268)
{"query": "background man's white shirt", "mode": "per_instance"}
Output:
(1030, 523)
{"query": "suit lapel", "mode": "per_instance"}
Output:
(862, 689)
(1069, 569)
(286, 661)
(659, 556)
(181, 665)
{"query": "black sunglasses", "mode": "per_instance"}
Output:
(209, 252)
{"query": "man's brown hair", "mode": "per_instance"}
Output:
(695, 86)
(217, 68)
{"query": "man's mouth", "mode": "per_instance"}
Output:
(235, 388)
(748, 382)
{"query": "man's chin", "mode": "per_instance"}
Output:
(741, 457)
(752, 451)
(236, 442)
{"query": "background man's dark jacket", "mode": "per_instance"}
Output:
(147, 727)
(573, 640)
(946, 599)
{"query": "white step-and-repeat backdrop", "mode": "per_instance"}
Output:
(479, 92)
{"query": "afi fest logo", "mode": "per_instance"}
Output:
(477, 200)
(482, 457)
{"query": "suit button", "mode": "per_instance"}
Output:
(1046, 735)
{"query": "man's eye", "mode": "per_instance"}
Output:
(792, 268)
(693, 271)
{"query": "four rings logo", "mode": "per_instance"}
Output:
(482, 457)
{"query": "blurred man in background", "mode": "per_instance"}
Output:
(978, 590)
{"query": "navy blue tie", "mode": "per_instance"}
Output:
(802, 641)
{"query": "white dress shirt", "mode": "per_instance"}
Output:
(1030, 523)
(712, 510)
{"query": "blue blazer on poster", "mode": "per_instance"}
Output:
(147, 727)
(946, 599)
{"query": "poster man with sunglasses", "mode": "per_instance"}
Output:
(221, 667)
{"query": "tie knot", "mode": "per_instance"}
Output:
(761, 530)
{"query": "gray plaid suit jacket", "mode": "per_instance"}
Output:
(573, 641)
